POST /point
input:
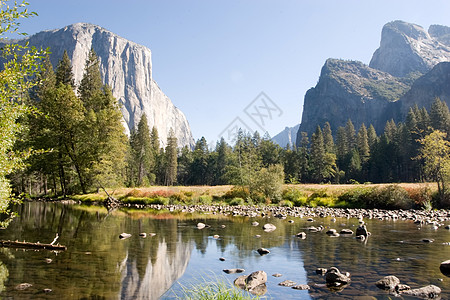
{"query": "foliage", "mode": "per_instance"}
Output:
(214, 290)
(16, 79)
(435, 152)
(237, 201)
(268, 182)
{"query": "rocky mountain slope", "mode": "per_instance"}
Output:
(287, 137)
(126, 67)
(411, 66)
(407, 48)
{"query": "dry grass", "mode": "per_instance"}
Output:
(306, 189)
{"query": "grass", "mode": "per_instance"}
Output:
(213, 290)
(331, 195)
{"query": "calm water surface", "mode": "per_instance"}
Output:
(98, 265)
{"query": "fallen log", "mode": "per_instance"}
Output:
(28, 245)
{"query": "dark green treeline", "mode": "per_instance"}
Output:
(84, 146)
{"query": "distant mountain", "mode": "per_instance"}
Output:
(411, 66)
(287, 137)
(126, 67)
(407, 48)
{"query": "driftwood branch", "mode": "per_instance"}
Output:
(28, 245)
(54, 240)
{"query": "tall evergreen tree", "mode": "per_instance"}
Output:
(171, 155)
(328, 138)
(143, 158)
(440, 116)
(64, 74)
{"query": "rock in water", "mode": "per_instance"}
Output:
(124, 235)
(263, 251)
(388, 282)
(201, 225)
(429, 291)
(445, 268)
(126, 67)
(333, 275)
(269, 227)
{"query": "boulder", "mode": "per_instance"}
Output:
(255, 279)
(346, 231)
(333, 275)
(429, 291)
(301, 235)
(124, 235)
(269, 227)
(445, 268)
(321, 271)
(263, 251)
(233, 271)
(301, 287)
(255, 223)
(288, 283)
(388, 282)
(362, 230)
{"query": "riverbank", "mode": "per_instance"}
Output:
(383, 196)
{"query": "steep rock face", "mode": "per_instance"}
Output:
(427, 88)
(440, 33)
(126, 67)
(406, 48)
(350, 90)
(287, 137)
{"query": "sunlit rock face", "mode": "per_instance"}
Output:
(160, 273)
(126, 67)
(406, 48)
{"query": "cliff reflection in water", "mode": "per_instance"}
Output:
(97, 264)
(158, 276)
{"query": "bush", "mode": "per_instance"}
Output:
(390, 197)
(421, 197)
(286, 203)
(292, 194)
(204, 199)
(269, 181)
(237, 201)
(237, 192)
(355, 198)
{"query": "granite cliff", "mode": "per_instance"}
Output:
(126, 67)
(406, 48)
(411, 66)
(287, 137)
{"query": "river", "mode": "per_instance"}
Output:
(99, 265)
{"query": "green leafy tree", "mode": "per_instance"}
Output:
(435, 153)
(16, 79)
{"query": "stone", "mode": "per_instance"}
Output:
(445, 268)
(362, 230)
(263, 251)
(301, 287)
(201, 225)
(429, 291)
(388, 282)
(301, 235)
(360, 237)
(346, 231)
(288, 283)
(255, 223)
(277, 275)
(143, 235)
(333, 275)
(332, 233)
(233, 271)
(126, 67)
(222, 258)
(23, 286)
(321, 271)
(124, 235)
(47, 290)
(428, 240)
(216, 236)
(269, 227)
(255, 279)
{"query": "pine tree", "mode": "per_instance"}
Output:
(440, 116)
(323, 164)
(371, 136)
(199, 166)
(171, 155)
(143, 154)
(328, 138)
(350, 134)
(64, 74)
(363, 144)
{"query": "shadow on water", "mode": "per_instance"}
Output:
(99, 265)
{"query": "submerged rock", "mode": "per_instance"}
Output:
(301, 287)
(445, 268)
(429, 291)
(333, 275)
(201, 225)
(269, 227)
(124, 235)
(263, 251)
(388, 282)
(255, 283)
(232, 271)
(301, 235)
(288, 283)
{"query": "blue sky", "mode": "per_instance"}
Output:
(213, 58)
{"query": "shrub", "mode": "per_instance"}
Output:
(286, 203)
(269, 181)
(390, 197)
(204, 199)
(421, 197)
(356, 198)
(237, 201)
(237, 192)
(292, 194)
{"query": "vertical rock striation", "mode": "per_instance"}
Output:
(126, 67)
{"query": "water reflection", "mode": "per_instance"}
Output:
(98, 265)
